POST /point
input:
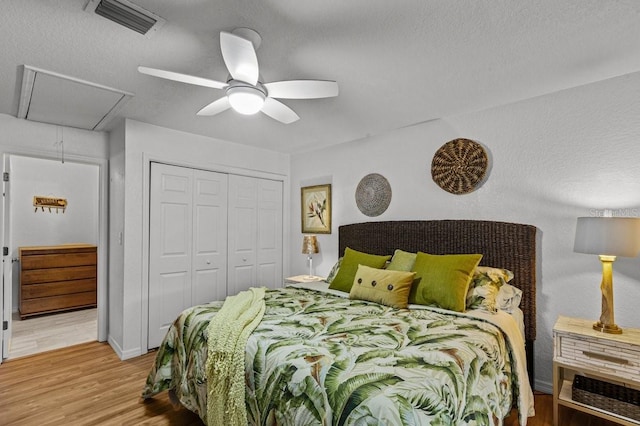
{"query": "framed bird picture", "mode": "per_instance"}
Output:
(316, 209)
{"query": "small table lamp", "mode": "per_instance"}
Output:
(608, 237)
(310, 246)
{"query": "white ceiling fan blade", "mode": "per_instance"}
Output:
(240, 57)
(302, 89)
(279, 111)
(183, 78)
(215, 107)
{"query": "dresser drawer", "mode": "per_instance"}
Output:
(43, 261)
(57, 303)
(32, 291)
(610, 357)
(57, 274)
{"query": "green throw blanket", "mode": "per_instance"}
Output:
(227, 336)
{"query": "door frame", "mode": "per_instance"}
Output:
(6, 290)
(103, 236)
(147, 159)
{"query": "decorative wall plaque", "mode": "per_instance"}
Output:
(373, 194)
(459, 166)
(49, 203)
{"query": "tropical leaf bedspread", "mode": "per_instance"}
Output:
(320, 359)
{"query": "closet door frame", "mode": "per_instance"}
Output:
(146, 182)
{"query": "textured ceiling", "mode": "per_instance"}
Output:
(397, 62)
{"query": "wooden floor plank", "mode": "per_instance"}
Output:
(87, 384)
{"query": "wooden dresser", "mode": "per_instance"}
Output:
(57, 278)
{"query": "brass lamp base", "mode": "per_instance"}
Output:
(607, 323)
(607, 328)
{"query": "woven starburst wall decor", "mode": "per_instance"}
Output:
(373, 194)
(459, 166)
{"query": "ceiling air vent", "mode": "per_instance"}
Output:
(127, 14)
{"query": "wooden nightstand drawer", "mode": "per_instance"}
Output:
(601, 355)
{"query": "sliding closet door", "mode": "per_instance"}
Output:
(269, 243)
(209, 237)
(187, 243)
(243, 200)
(255, 233)
(170, 226)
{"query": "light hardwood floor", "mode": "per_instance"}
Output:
(88, 385)
(46, 332)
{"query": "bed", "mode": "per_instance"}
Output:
(315, 356)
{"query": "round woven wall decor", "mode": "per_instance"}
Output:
(459, 166)
(373, 194)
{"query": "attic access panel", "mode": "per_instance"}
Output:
(53, 98)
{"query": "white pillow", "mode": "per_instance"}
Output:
(509, 297)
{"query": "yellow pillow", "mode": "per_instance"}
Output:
(382, 286)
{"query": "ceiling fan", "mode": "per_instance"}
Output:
(243, 90)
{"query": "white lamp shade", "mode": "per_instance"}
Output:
(245, 100)
(612, 236)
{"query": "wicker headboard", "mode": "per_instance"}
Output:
(505, 245)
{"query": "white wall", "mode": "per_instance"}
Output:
(19, 136)
(116, 237)
(553, 158)
(77, 183)
(144, 143)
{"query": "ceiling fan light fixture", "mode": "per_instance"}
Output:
(244, 91)
(245, 100)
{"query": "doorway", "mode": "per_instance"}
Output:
(80, 184)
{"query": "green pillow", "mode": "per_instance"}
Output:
(444, 279)
(352, 258)
(382, 286)
(402, 261)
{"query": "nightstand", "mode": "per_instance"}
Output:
(579, 349)
(302, 279)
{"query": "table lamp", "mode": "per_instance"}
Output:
(607, 237)
(310, 246)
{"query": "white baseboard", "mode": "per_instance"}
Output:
(544, 387)
(122, 354)
(116, 348)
